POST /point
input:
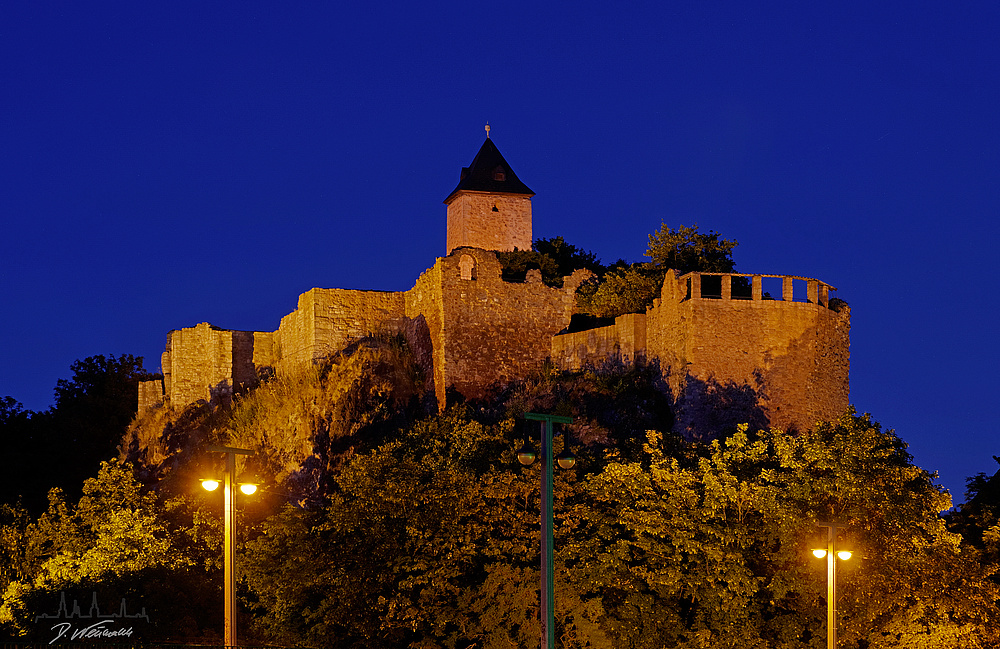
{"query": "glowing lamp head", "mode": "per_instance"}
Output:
(819, 554)
(248, 488)
(210, 484)
(526, 455)
(566, 460)
(843, 555)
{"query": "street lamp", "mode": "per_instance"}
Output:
(229, 532)
(831, 554)
(565, 460)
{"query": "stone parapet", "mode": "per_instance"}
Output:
(723, 332)
(721, 339)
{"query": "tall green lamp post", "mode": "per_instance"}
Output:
(565, 460)
(229, 532)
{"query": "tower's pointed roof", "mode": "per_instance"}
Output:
(489, 172)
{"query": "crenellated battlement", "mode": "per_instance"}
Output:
(787, 343)
(755, 287)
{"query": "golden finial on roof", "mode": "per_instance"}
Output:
(487, 130)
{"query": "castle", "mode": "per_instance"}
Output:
(776, 338)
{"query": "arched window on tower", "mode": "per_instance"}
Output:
(467, 267)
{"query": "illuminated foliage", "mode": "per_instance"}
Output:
(625, 290)
(715, 552)
(686, 250)
(117, 539)
(418, 529)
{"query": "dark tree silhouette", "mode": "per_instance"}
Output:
(65, 444)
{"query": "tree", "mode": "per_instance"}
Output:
(97, 404)
(629, 290)
(553, 257)
(981, 510)
(20, 450)
(686, 250)
(431, 540)
(119, 539)
(714, 551)
(14, 521)
(64, 445)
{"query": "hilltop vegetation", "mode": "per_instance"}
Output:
(383, 523)
(623, 287)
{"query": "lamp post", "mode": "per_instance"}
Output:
(229, 532)
(566, 461)
(832, 554)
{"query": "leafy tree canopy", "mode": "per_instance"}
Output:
(631, 288)
(687, 250)
(419, 529)
(553, 257)
(120, 539)
(627, 290)
(65, 444)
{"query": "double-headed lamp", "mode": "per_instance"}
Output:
(843, 555)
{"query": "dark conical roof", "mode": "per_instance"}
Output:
(489, 172)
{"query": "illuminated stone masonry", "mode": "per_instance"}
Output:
(722, 341)
(732, 347)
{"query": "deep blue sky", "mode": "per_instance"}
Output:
(165, 164)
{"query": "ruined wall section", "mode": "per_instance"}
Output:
(328, 319)
(625, 339)
(424, 313)
(497, 331)
(204, 363)
(469, 329)
(150, 394)
(732, 355)
(490, 221)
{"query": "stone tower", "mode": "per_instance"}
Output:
(490, 208)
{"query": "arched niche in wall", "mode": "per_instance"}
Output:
(467, 267)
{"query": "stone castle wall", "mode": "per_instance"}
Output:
(625, 339)
(150, 394)
(787, 360)
(496, 331)
(205, 362)
(467, 328)
(327, 319)
(489, 221)
(425, 308)
(728, 354)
